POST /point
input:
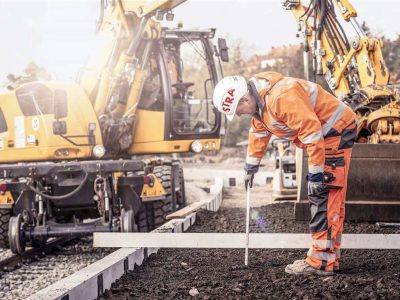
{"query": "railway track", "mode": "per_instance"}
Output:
(11, 262)
(44, 265)
(30, 275)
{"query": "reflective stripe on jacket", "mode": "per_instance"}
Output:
(298, 110)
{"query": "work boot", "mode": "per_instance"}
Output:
(301, 267)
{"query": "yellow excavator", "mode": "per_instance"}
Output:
(76, 157)
(356, 73)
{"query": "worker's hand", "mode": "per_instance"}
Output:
(248, 180)
(315, 183)
(249, 170)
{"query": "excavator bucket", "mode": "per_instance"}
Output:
(372, 190)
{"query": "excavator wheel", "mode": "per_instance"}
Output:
(157, 211)
(4, 221)
(17, 244)
(161, 209)
(142, 221)
(180, 194)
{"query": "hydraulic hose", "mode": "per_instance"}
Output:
(79, 187)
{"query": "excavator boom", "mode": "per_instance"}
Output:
(145, 8)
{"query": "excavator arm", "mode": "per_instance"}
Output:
(143, 8)
(354, 68)
(122, 25)
(356, 73)
(114, 76)
(347, 64)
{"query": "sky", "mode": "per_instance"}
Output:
(59, 34)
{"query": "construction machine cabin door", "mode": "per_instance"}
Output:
(150, 115)
(175, 107)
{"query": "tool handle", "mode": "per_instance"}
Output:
(246, 253)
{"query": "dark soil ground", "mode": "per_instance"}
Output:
(221, 274)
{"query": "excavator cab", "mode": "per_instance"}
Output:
(175, 107)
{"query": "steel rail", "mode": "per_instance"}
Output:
(11, 262)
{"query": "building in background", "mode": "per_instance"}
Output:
(285, 59)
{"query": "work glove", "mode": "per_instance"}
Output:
(315, 183)
(248, 180)
(250, 170)
(315, 188)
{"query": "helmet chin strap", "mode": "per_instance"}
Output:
(254, 93)
(260, 106)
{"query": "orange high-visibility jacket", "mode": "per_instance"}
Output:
(297, 110)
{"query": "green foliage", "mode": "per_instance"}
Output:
(391, 54)
(238, 129)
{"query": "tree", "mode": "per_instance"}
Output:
(391, 55)
(238, 129)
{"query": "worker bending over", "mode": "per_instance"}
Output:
(311, 118)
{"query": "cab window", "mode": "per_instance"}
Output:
(192, 87)
(3, 124)
(35, 99)
(152, 94)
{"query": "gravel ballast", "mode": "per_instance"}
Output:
(37, 274)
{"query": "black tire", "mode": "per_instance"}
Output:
(163, 174)
(156, 212)
(181, 196)
(160, 210)
(5, 215)
(141, 220)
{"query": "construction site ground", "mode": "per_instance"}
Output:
(221, 273)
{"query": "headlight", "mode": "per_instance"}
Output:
(99, 151)
(196, 146)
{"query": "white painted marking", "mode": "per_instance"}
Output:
(225, 174)
(19, 130)
(238, 240)
(35, 124)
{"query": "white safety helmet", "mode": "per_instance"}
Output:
(227, 94)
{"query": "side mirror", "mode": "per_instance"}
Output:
(223, 50)
(60, 104)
